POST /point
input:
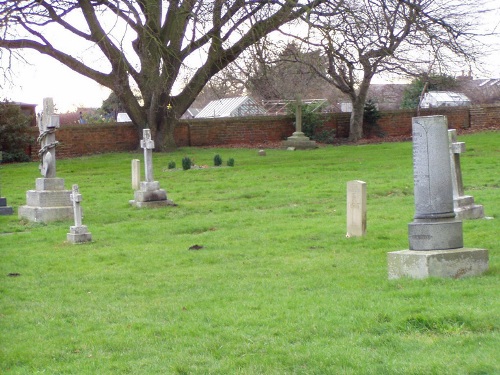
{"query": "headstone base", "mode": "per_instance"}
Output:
(49, 202)
(435, 235)
(79, 234)
(299, 141)
(4, 209)
(150, 195)
(465, 208)
(457, 263)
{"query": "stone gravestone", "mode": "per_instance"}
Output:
(136, 174)
(78, 233)
(49, 201)
(298, 140)
(463, 205)
(356, 208)
(4, 209)
(149, 193)
(435, 236)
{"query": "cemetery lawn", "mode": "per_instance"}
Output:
(276, 288)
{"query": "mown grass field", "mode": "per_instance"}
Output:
(277, 287)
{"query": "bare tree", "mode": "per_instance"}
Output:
(361, 38)
(148, 45)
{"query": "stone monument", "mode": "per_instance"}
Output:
(136, 174)
(4, 209)
(149, 193)
(78, 233)
(49, 201)
(298, 140)
(435, 236)
(356, 208)
(463, 205)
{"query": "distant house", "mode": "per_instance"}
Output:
(231, 107)
(190, 113)
(482, 91)
(26, 109)
(433, 99)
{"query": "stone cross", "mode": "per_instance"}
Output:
(79, 232)
(76, 198)
(456, 148)
(148, 145)
(47, 124)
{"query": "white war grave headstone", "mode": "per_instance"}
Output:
(356, 208)
(136, 174)
(435, 236)
(78, 233)
(463, 205)
(49, 201)
(4, 209)
(149, 193)
(298, 140)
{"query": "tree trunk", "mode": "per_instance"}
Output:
(164, 133)
(356, 120)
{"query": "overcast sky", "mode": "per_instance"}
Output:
(45, 77)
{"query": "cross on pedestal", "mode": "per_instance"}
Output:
(456, 148)
(76, 198)
(47, 124)
(148, 145)
(78, 233)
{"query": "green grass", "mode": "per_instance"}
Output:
(277, 287)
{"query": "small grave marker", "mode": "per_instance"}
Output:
(356, 208)
(78, 232)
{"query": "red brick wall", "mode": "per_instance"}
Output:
(77, 140)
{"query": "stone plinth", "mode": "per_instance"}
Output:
(4, 209)
(465, 208)
(49, 202)
(457, 263)
(150, 195)
(299, 141)
(78, 234)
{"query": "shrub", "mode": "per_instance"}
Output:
(370, 117)
(230, 162)
(171, 165)
(217, 160)
(14, 133)
(186, 163)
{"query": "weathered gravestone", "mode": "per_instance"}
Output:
(463, 205)
(4, 209)
(298, 140)
(435, 236)
(356, 208)
(49, 201)
(136, 174)
(149, 193)
(78, 233)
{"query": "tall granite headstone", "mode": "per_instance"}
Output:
(4, 209)
(463, 205)
(149, 193)
(435, 235)
(49, 201)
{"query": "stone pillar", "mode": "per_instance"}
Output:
(356, 208)
(463, 205)
(149, 193)
(49, 201)
(434, 226)
(78, 233)
(435, 236)
(136, 174)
